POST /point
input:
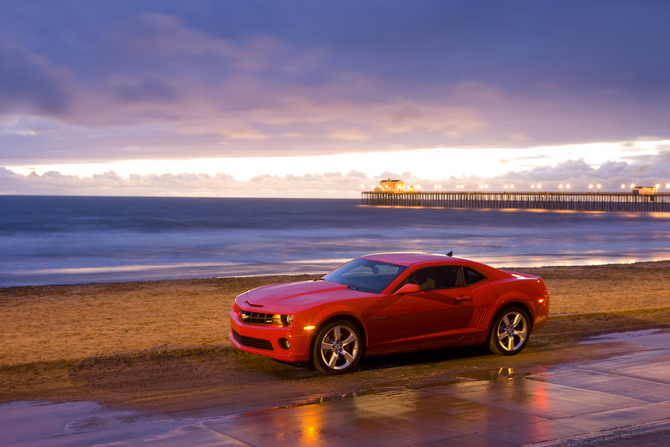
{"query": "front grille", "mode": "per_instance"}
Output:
(252, 342)
(249, 317)
(255, 317)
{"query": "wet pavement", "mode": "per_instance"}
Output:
(624, 400)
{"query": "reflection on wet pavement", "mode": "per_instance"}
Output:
(500, 407)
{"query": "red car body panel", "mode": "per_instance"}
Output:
(391, 322)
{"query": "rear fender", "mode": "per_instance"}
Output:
(523, 300)
(512, 298)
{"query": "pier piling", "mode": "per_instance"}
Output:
(612, 202)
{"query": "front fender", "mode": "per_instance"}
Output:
(329, 312)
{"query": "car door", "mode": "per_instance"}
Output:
(439, 313)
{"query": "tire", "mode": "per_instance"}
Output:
(510, 331)
(337, 348)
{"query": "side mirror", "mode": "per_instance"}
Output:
(408, 288)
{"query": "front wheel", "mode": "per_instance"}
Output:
(510, 331)
(337, 348)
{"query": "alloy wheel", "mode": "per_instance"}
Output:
(512, 331)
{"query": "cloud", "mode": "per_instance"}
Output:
(348, 134)
(333, 184)
(664, 156)
(241, 132)
(611, 175)
(392, 175)
(110, 183)
(357, 174)
(402, 115)
(478, 90)
(156, 34)
(160, 79)
(186, 118)
(30, 84)
(151, 88)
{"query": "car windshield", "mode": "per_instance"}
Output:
(366, 275)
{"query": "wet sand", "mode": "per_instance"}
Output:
(163, 346)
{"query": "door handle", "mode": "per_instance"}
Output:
(464, 298)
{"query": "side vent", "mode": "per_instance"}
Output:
(482, 316)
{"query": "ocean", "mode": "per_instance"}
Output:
(70, 240)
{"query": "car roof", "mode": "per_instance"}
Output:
(408, 259)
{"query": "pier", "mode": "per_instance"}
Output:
(596, 201)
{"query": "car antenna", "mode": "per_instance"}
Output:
(450, 254)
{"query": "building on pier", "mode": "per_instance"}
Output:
(391, 186)
(645, 190)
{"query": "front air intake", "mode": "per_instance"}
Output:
(252, 342)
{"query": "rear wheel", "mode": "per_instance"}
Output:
(510, 331)
(337, 347)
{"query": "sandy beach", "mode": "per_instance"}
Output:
(52, 335)
(43, 324)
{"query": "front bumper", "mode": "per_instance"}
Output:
(264, 340)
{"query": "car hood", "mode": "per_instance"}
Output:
(298, 293)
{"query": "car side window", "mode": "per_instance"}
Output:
(472, 276)
(436, 278)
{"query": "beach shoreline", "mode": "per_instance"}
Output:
(64, 322)
(115, 342)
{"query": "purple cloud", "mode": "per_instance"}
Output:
(30, 84)
(162, 79)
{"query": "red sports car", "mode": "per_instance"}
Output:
(389, 303)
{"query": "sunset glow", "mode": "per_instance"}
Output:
(154, 98)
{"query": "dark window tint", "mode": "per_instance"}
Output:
(366, 275)
(472, 277)
(435, 278)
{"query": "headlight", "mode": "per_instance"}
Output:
(250, 317)
(282, 320)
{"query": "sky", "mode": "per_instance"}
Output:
(326, 98)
